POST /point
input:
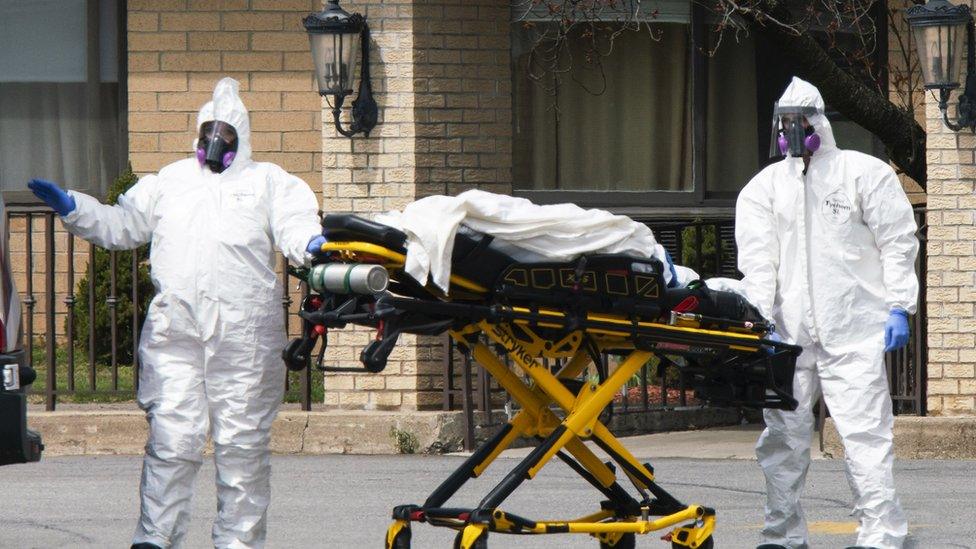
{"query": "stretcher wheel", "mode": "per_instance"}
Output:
(709, 543)
(480, 543)
(627, 541)
(402, 540)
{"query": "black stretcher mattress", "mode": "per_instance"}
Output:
(610, 283)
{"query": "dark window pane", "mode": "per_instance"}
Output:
(731, 129)
(622, 125)
(850, 135)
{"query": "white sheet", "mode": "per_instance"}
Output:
(558, 232)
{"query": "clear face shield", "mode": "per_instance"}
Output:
(216, 145)
(792, 133)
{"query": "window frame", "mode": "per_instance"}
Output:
(699, 201)
(93, 34)
(614, 199)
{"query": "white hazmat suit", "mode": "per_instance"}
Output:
(211, 345)
(826, 255)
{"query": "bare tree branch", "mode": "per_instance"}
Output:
(903, 137)
(849, 78)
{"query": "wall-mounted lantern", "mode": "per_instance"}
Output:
(939, 28)
(335, 36)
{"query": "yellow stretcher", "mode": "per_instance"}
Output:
(574, 312)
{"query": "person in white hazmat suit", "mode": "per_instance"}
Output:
(211, 345)
(826, 243)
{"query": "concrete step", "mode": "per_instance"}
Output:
(119, 430)
(294, 432)
(920, 438)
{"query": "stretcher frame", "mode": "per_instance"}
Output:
(550, 410)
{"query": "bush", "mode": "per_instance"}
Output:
(704, 262)
(123, 292)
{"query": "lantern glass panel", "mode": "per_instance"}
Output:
(335, 58)
(941, 49)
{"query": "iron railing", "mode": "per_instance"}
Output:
(708, 247)
(73, 368)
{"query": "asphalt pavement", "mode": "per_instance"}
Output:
(344, 501)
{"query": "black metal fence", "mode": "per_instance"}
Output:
(708, 247)
(907, 366)
(46, 262)
(50, 263)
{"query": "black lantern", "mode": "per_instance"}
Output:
(939, 28)
(334, 35)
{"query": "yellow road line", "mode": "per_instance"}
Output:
(830, 527)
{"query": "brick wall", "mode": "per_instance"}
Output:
(369, 175)
(463, 101)
(442, 80)
(463, 88)
(178, 49)
(951, 266)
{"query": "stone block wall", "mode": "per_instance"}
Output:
(951, 273)
(178, 49)
(443, 84)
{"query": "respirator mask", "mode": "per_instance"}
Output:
(216, 145)
(792, 134)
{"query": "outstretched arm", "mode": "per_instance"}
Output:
(124, 226)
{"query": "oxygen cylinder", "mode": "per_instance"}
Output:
(348, 278)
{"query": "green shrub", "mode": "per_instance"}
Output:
(703, 263)
(123, 292)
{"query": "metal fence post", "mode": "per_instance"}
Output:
(448, 367)
(69, 304)
(92, 378)
(49, 340)
(135, 320)
(466, 403)
(113, 309)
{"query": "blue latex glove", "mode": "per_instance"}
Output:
(53, 196)
(674, 273)
(315, 245)
(896, 330)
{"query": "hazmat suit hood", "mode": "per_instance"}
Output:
(226, 106)
(801, 93)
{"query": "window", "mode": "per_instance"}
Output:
(625, 126)
(661, 108)
(672, 126)
(61, 103)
